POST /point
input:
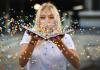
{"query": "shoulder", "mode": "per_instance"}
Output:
(25, 38)
(67, 40)
(25, 34)
(66, 36)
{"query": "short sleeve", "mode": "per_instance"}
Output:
(67, 40)
(25, 38)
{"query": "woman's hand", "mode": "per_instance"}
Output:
(34, 36)
(57, 37)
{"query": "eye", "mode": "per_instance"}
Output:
(51, 17)
(42, 17)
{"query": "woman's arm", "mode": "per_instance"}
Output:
(70, 54)
(26, 50)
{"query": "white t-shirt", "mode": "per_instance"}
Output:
(47, 56)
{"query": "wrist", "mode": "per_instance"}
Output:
(33, 41)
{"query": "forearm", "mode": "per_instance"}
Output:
(25, 56)
(69, 54)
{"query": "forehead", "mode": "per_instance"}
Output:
(47, 11)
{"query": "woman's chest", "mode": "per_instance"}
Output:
(47, 50)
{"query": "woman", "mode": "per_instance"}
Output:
(52, 54)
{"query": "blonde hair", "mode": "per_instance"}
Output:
(55, 13)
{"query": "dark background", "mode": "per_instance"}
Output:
(25, 5)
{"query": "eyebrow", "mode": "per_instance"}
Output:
(42, 15)
(48, 15)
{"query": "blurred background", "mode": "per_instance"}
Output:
(80, 19)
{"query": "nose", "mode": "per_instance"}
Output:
(47, 19)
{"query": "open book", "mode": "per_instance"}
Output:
(41, 34)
